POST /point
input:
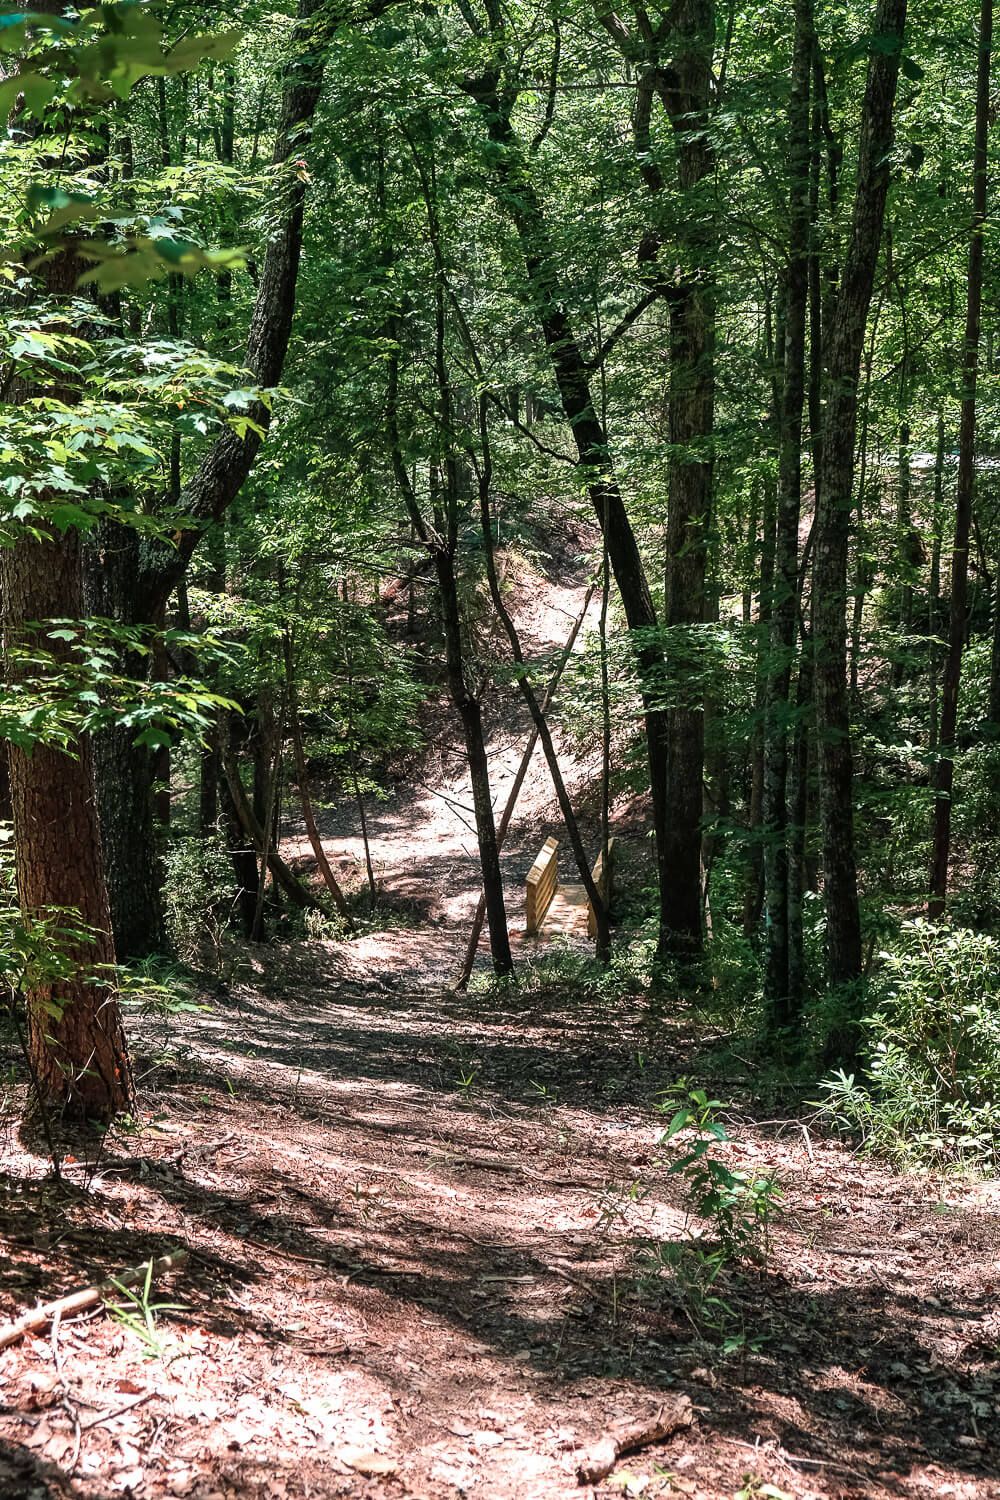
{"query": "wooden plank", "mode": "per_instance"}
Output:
(604, 880)
(568, 912)
(541, 885)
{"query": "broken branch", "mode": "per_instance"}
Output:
(62, 1307)
(667, 1420)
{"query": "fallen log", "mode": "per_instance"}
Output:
(631, 1436)
(63, 1307)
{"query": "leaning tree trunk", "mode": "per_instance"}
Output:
(548, 303)
(944, 769)
(833, 515)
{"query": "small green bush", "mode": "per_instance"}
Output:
(199, 894)
(931, 1050)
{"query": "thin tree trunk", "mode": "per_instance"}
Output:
(753, 900)
(934, 591)
(538, 719)
(283, 876)
(305, 796)
(549, 303)
(784, 613)
(472, 947)
(944, 769)
(843, 350)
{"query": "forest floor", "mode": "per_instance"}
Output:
(418, 1230)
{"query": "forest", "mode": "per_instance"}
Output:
(499, 750)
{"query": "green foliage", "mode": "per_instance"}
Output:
(198, 899)
(739, 1205)
(735, 1208)
(53, 696)
(930, 1091)
(72, 66)
(140, 1314)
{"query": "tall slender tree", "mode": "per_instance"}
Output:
(843, 345)
(944, 769)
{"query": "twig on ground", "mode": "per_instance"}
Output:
(53, 1312)
(119, 1411)
(66, 1401)
(667, 1420)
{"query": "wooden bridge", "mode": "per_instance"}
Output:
(551, 907)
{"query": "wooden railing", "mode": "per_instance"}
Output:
(603, 876)
(541, 885)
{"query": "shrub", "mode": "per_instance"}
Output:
(198, 898)
(931, 1049)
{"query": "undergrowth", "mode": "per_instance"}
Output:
(929, 1088)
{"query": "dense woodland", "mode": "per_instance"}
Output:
(435, 400)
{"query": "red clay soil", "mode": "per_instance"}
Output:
(416, 1268)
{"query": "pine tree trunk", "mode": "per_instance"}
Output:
(79, 1060)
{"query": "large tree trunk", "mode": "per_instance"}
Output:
(844, 343)
(944, 769)
(76, 1040)
(124, 770)
(686, 95)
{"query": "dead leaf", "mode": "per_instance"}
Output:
(371, 1464)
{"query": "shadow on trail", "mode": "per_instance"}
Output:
(592, 1055)
(849, 1357)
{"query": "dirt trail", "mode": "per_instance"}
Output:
(423, 839)
(423, 1235)
(416, 1270)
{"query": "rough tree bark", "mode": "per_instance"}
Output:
(686, 95)
(78, 1055)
